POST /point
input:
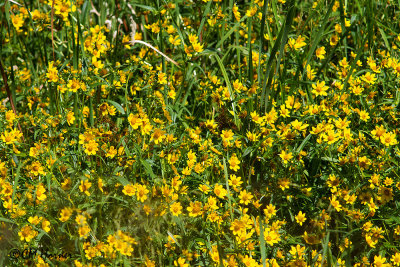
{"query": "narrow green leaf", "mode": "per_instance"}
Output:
(385, 40)
(227, 189)
(318, 36)
(232, 30)
(262, 244)
(280, 42)
(148, 168)
(117, 106)
(229, 85)
(305, 141)
(207, 10)
(122, 180)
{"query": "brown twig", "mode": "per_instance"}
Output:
(94, 9)
(152, 47)
(3, 73)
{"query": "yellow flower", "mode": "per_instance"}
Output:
(91, 147)
(336, 204)
(286, 157)
(65, 214)
(298, 125)
(63, 8)
(234, 163)
(197, 47)
(214, 254)
(10, 137)
(236, 12)
(84, 231)
(174, 40)
(227, 136)
(162, 78)
(205, 188)
(35, 220)
(319, 88)
(388, 139)
(81, 220)
(369, 78)
(46, 225)
(17, 21)
(245, 197)
(284, 111)
(380, 261)
(40, 192)
(220, 191)
(141, 192)
(330, 136)
(73, 85)
(129, 190)
(100, 185)
(253, 137)
(103, 108)
(27, 233)
(300, 218)
(158, 136)
(195, 209)
(52, 73)
(270, 211)
(357, 90)
(146, 127)
(235, 181)
(320, 52)
(297, 251)
(364, 116)
(271, 236)
(134, 121)
(84, 187)
(86, 137)
(333, 40)
(111, 152)
(70, 118)
(10, 116)
(298, 43)
(396, 259)
(212, 203)
(284, 183)
(176, 209)
(181, 262)
(172, 94)
(237, 227)
(37, 169)
(192, 38)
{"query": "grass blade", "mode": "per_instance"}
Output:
(280, 42)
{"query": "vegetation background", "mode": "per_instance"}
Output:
(199, 133)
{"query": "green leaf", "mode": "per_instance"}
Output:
(262, 244)
(148, 168)
(6, 220)
(204, 17)
(150, 8)
(232, 30)
(117, 106)
(280, 42)
(229, 85)
(318, 36)
(122, 180)
(227, 188)
(301, 146)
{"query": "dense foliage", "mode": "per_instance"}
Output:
(199, 133)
